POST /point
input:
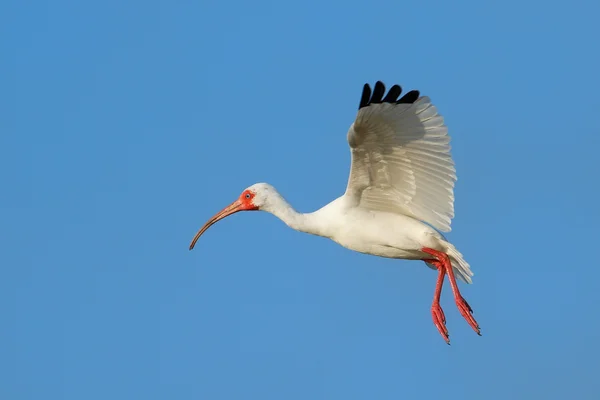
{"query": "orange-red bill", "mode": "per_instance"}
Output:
(230, 209)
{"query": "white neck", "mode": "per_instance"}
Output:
(309, 223)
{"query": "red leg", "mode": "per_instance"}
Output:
(461, 303)
(439, 319)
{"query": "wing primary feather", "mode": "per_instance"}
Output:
(366, 96)
(378, 92)
(409, 97)
(376, 97)
(393, 94)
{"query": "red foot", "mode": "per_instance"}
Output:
(439, 319)
(444, 266)
(466, 312)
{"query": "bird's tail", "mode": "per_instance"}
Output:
(460, 266)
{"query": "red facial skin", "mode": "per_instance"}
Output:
(243, 203)
(246, 201)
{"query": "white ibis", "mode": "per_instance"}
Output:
(399, 194)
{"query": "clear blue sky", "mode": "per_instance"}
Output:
(125, 125)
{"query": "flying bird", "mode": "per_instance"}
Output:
(399, 197)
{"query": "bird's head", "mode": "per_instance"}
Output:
(259, 196)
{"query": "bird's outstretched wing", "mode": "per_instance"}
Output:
(401, 160)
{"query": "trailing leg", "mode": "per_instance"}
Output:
(439, 319)
(461, 303)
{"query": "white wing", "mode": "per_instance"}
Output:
(401, 160)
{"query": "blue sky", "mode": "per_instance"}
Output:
(127, 124)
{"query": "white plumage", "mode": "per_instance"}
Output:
(401, 162)
(401, 187)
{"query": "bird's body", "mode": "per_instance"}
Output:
(373, 232)
(399, 194)
(384, 234)
(377, 233)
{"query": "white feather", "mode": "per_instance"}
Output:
(401, 162)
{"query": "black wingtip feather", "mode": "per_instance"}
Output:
(366, 96)
(393, 94)
(391, 97)
(409, 97)
(378, 92)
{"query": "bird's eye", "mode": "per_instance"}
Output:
(247, 195)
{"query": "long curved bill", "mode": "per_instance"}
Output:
(230, 209)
